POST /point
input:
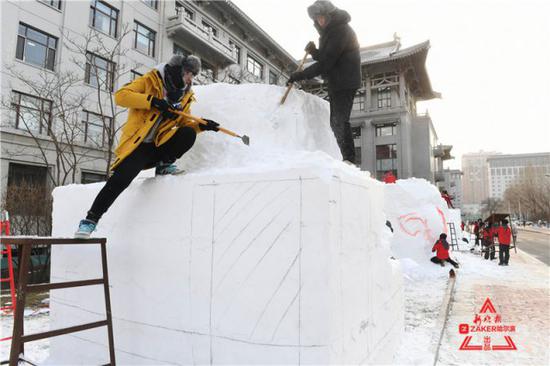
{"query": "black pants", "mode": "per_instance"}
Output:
(503, 253)
(439, 261)
(145, 156)
(341, 102)
(489, 250)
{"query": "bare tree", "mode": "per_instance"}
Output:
(491, 205)
(530, 196)
(50, 108)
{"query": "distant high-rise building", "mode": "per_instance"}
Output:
(507, 170)
(475, 181)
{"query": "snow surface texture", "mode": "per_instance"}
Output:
(418, 216)
(273, 254)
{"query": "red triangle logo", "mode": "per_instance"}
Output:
(487, 307)
(510, 345)
(465, 346)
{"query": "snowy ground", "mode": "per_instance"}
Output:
(519, 292)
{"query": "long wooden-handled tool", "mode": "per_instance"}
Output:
(244, 138)
(290, 86)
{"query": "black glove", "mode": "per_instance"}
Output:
(209, 126)
(310, 47)
(164, 107)
(295, 76)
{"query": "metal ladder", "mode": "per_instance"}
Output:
(24, 245)
(452, 232)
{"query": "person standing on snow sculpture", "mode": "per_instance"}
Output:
(153, 135)
(504, 235)
(441, 247)
(339, 62)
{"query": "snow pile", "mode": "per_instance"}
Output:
(418, 215)
(275, 253)
(299, 130)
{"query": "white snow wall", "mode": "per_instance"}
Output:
(418, 215)
(280, 265)
(281, 268)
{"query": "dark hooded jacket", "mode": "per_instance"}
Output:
(338, 59)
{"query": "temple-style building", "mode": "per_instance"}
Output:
(389, 133)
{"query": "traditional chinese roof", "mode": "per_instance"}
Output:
(415, 56)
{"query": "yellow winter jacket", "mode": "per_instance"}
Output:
(137, 97)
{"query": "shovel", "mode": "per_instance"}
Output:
(244, 138)
(290, 86)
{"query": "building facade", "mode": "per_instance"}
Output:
(86, 50)
(507, 170)
(389, 134)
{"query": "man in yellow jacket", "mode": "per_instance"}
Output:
(153, 135)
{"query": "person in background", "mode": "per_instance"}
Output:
(514, 232)
(441, 247)
(504, 235)
(338, 61)
(389, 177)
(447, 199)
(488, 241)
(478, 226)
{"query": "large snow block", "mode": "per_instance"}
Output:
(418, 216)
(284, 267)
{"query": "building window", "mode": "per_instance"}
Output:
(188, 14)
(386, 160)
(356, 132)
(207, 28)
(36, 47)
(207, 74)
(388, 129)
(254, 67)
(178, 50)
(104, 17)
(53, 3)
(273, 78)
(359, 101)
(32, 114)
(152, 3)
(144, 39)
(135, 74)
(233, 45)
(384, 97)
(32, 175)
(87, 177)
(99, 72)
(93, 127)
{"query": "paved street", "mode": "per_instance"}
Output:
(536, 243)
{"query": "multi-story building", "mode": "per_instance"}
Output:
(475, 179)
(507, 170)
(389, 134)
(85, 50)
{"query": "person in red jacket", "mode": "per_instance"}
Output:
(488, 241)
(445, 195)
(389, 177)
(504, 237)
(441, 247)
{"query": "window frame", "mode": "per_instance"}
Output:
(17, 108)
(94, 10)
(276, 78)
(20, 47)
(378, 129)
(380, 169)
(383, 96)
(255, 61)
(138, 25)
(50, 3)
(84, 172)
(87, 122)
(153, 4)
(87, 72)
